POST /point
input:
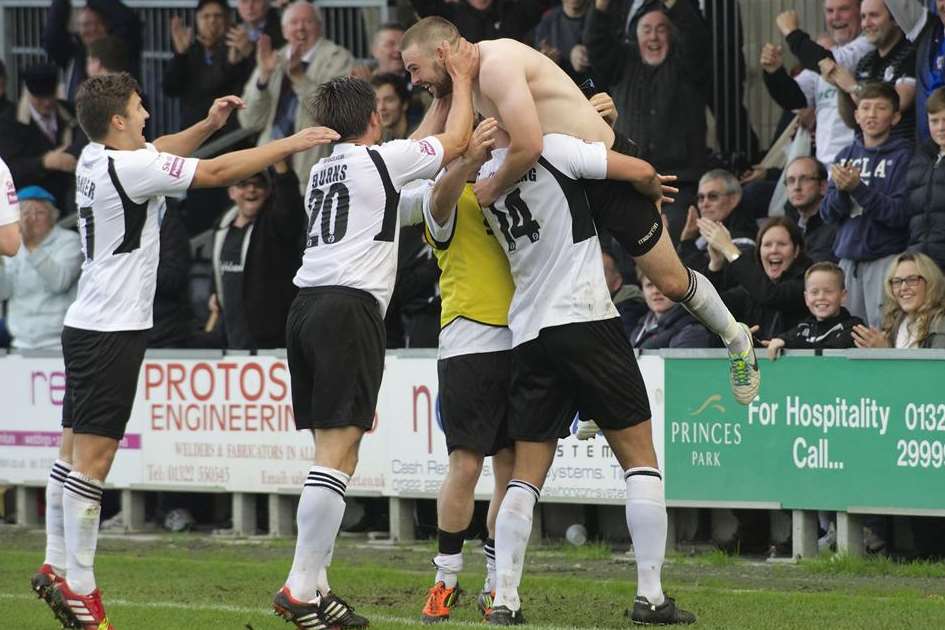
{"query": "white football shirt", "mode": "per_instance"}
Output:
(352, 201)
(9, 207)
(545, 227)
(120, 196)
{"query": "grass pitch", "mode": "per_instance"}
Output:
(172, 582)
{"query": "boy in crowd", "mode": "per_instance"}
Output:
(866, 197)
(830, 325)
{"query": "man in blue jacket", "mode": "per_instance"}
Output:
(866, 197)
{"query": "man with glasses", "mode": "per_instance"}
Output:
(718, 200)
(805, 181)
(256, 251)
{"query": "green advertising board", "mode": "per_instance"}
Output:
(826, 433)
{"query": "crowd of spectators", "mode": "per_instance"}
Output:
(859, 239)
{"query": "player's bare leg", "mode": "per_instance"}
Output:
(647, 522)
(306, 599)
(694, 291)
(454, 510)
(513, 527)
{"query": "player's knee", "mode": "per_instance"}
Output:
(465, 465)
(673, 285)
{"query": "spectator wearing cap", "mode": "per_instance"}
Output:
(286, 78)
(257, 248)
(97, 19)
(560, 37)
(39, 282)
(659, 81)
(34, 142)
(201, 70)
(478, 20)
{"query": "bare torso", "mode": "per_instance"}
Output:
(562, 107)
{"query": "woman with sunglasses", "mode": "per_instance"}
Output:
(914, 308)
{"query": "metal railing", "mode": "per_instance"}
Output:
(349, 23)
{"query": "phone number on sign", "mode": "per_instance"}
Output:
(920, 453)
(925, 417)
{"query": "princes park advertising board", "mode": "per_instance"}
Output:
(825, 433)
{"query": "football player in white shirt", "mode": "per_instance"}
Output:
(335, 328)
(530, 96)
(121, 181)
(571, 356)
(9, 213)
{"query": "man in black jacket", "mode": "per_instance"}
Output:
(806, 183)
(485, 19)
(659, 81)
(34, 137)
(96, 20)
(257, 249)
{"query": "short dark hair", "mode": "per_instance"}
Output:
(100, 98)
(881, 89)
(112, 53)
(818, 166)
(344, 104)
(936, 101)
(429, 32)
(828, 267)
(794, 232)
(394, 80)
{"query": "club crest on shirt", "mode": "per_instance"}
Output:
(426, 147)
(173, 166)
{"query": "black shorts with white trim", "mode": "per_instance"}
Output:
(101, 379)
(474, 401)
(335, 342)
(586, 367)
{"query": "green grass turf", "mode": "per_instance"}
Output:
(194, 582)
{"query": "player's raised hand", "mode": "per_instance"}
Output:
(787, 22)
(462, 60)
(182, 36)
(665, 181)
(771, 58)
(605, 107)
(486, 192)
(311, 137)
(481, 143)
(222, 108)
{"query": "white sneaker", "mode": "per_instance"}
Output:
(743, 373)
(586, 429)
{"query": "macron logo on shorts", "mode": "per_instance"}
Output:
(426, 147)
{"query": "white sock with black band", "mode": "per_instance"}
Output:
(319, 518)
(646, 519)
(705, 304)
(513, 527)
(55, 532)
(81, 511)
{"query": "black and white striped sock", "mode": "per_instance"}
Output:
(82, 508)
(55, 536)
(318, 519)
(513, 527)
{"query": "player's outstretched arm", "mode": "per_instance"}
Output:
(462, 63)
(434, 120)
(505, 85)
(185, 142)
(9, 239)
(236, 166)
(449, 187)
(637, 172)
